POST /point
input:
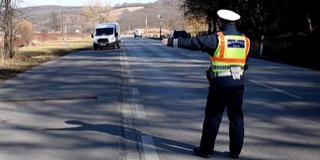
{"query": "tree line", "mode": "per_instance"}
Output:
(260, 17)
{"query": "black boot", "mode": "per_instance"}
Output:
(233, 156)
(199, 153)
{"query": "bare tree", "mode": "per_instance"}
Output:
(197, 25)
(198, 9)
(7, 26)
(25, 31)
(174, 22)
(54, 23)
(95, 12)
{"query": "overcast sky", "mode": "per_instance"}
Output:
(25, 3)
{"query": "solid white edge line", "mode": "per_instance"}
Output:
(277, 90)
(149, 149)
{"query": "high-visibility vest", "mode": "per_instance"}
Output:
(232, 50)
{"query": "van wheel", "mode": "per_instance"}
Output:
(95, 47)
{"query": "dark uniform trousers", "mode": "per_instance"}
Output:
(218, 99)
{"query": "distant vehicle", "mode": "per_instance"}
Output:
(138, 33)
(177, 34)
(106, 35)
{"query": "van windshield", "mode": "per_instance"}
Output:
(104, 31)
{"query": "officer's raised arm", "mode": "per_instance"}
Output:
(207, 43)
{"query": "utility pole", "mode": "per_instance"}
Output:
(160, 17)
(146, 23)
(62, 26)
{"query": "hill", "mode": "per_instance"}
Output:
(129, 16)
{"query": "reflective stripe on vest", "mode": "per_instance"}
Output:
(232, 50)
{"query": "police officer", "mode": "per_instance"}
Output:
(228, 50)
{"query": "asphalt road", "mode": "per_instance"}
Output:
(146, 101)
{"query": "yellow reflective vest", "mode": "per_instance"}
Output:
(232, 50)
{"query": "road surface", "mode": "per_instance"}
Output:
(146, 101)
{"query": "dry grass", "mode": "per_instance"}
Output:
(28, 57)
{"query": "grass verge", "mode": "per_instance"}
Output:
(26, 58)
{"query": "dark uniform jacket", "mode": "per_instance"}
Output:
(208, 43)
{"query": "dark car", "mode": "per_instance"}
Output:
(177, 34)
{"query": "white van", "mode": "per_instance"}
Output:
(106, 35)
(138, 33)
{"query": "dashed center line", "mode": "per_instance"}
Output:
(140, 111)
(149, 148)
(135, 91)
(132, 80)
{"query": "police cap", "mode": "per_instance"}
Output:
(228, 15)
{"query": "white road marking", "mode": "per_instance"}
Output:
(148, 145)
(277, 90)
(126, 63)
(132, 80)
(140, 111)
(135, 91)
(149, 148)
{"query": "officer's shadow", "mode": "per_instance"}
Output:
(117, 130)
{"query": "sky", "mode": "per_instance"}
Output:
(26, 3)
